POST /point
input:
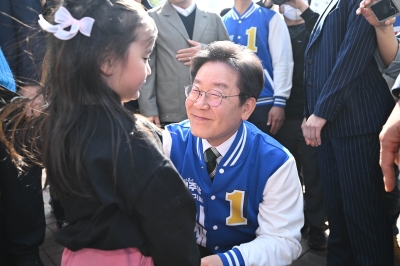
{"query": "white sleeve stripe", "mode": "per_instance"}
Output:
(267, 100)
(234, 257)
(228, 258)
(280, 101)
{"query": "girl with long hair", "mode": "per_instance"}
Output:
(124, 201)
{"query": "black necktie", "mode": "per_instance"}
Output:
(211, 156)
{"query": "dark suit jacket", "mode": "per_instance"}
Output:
(342, 81)
(22, 45)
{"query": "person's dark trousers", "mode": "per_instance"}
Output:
(352, 184)
(259, 118)
(290, 135)
(22, 199)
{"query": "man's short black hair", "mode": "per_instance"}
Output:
(250, 79)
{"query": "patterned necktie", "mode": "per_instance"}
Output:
(211, 156)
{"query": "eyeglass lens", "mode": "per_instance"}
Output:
(213, 97)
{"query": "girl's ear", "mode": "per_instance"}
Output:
(107, 67)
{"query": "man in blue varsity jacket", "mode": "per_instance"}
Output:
(246, 186)
(265, 33)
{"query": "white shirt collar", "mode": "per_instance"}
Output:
(185, 12)
(222, 148)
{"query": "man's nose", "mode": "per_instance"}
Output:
(202, 101)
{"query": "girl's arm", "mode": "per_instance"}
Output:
(167, 212)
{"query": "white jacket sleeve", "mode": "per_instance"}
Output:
(280, 220)
(280, 48)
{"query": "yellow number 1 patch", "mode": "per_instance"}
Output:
(251, 39)
(236, 200)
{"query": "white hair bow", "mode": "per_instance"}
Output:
(65, 19)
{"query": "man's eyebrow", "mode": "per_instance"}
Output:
(216, 84)
(221, 85)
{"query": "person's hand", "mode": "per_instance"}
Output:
(34, 107)
(298, 4)
(390, 143)
(370, 17)
(185, 55)
(155, 120)
(213, 260)
(312, 130)
(268, 4)
(276, 116)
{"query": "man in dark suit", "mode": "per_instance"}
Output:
(22, 219)
(347, 102)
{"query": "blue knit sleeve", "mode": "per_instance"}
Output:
(6, 76)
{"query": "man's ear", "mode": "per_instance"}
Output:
(248, 108)
(107, 67)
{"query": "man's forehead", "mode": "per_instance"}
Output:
(219, 84)
(217, 74)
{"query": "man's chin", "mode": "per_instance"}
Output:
(198, 133)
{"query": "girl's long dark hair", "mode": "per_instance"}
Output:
(72, 80)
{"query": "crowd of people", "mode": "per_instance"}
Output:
(255, 128)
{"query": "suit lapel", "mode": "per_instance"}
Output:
(200, 24)
(172, 17)
(320, 22)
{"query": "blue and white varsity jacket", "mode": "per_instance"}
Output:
(252, 213)
(263, 31)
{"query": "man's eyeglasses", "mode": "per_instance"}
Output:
(213, 97)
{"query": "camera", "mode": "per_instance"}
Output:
(385, 9)
(279, 2)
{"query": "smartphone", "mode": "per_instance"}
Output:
(385, 9)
